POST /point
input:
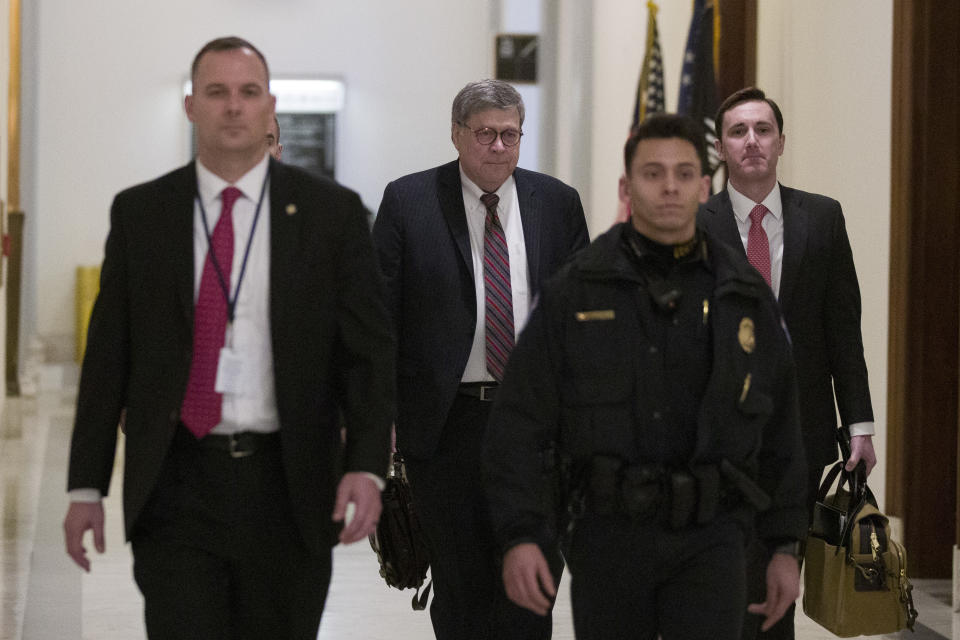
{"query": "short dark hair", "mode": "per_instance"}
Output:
(482, 95)
(227, 43)
(666, 125)
(276, 121)
(747, 94)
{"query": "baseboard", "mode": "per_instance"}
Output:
(956, 579)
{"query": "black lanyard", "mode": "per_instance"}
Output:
(224, 285)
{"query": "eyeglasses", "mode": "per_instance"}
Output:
(486, 135)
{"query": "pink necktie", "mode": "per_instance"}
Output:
(202, 405)
(758, 246)
(499, 299)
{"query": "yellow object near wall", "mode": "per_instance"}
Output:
(88, 285)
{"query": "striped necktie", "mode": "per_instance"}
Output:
(499, 299)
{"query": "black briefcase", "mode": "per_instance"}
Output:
(398, 540)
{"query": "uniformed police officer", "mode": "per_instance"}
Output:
(649, 418)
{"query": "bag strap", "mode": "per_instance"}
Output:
(856, 480)
(860, 494)
(828, 481)
(396, 465)
(419, 602)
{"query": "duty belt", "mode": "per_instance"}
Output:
(679, 497)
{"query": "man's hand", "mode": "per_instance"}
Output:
(527, 578)
(360, 490)
(783, 587)
(81, 517)
(861, 448)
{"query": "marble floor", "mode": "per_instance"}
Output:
(44, 596)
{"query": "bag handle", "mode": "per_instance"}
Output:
(856, 480)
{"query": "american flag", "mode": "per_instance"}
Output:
(650, 85)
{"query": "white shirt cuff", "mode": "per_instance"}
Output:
(861, 429)
(85, 495)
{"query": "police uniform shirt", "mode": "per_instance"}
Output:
(675, 344)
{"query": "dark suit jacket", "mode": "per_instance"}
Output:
(332, 347)
(820, 300)
(423, 244)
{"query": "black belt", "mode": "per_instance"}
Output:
(484, 391)
(237, 445)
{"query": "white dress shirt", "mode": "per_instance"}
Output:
(772, 225)
(508, 210)
(254, 409)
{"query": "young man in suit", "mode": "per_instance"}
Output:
(798, 241)
(240, 314)
(464, 248)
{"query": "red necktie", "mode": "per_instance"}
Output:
(758, 246)
(499, 299)
(202, 405)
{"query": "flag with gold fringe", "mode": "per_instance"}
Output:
(698, 83)
(650, 84)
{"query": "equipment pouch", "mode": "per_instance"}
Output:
(683, 499)
(605, 484)
(641, 491)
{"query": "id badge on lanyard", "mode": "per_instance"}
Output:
(232, 371)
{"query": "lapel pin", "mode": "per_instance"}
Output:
(291, 209)
(746, 336)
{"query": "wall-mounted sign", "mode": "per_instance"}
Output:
(517, 57)
(309, 141)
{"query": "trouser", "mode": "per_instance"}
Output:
(469, 599)
(633, 579)
(217, 554)
(758, 557)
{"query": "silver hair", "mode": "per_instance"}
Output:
(485, 94)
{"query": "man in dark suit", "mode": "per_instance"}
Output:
(240, 314)
(798, 241)
(464, 249)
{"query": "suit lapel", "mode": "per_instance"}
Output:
(285, 234)
(724, 221)
(530, 215)
(450, 194)
(176, 206)
(794, 240)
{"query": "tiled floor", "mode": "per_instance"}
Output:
(43, 596)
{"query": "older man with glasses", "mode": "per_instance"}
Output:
(464, 249)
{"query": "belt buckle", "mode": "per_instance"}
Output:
(483, 393)
(234, 451)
